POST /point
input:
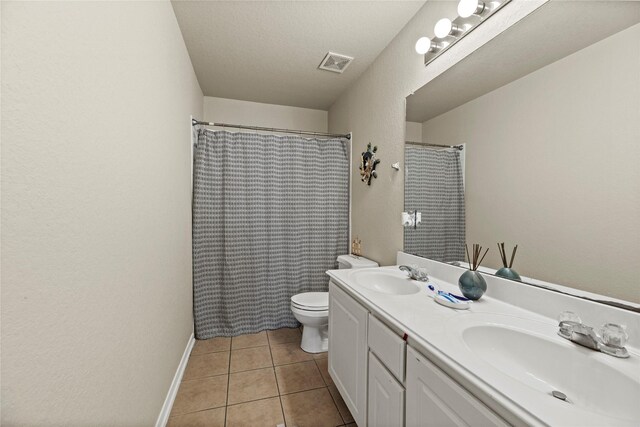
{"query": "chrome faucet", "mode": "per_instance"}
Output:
(611, 340)
(416, 273)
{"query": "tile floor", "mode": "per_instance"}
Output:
(257, 380)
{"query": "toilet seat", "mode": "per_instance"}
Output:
(311, 301)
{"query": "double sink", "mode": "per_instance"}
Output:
(517, 353)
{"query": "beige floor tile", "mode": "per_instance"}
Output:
(289, 353)
(322, 355)
(209, 418)
(323, 366)
(298, 377)
(212, 345)
(266, 412)
(197, 395)
(342, 407)
(284, 335)
(250, 358)
(207, 365)
(313, 408)
(252, 385)
(249, 340)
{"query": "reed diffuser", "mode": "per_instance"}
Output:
(507, 271)
(471, 283)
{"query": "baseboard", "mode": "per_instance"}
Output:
(175, 384)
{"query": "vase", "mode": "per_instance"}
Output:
(472, 285)
(508, 273)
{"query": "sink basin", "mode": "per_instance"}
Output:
(385, 282)
(533, 355)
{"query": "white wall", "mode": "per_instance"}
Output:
(247, 113)
(374, 110)
(96, 239)
(413, 132)
(553, 167)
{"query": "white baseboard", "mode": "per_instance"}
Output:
(175, 384)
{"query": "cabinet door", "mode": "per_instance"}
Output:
(435, 399)
(386, 396)
(348, 351)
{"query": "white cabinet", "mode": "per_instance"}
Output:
(348, 351)
(386, 397)
(434, 399)
(387, 346)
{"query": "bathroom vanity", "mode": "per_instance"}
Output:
(398, 358)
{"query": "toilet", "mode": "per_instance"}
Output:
(312, 309)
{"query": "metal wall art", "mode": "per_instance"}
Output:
(368, 163)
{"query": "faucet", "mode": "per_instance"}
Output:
(611, 340)
(419, 274)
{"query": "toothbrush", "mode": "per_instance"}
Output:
(448, 294)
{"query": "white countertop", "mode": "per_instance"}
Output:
(436, 331)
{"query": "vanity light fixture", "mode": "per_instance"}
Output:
(445, 27)
(466, 8)
(449, 32)
(425, 44)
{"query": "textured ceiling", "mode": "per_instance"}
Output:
(269, 51)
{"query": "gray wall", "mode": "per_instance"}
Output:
(553, 165)
(96, 238)
(374, 110)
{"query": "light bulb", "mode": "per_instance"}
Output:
(423, 45)
(443, 28)
(466, 8)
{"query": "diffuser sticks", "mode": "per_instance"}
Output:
(476, 260)
(503, 255)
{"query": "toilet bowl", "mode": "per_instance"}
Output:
(312, 309)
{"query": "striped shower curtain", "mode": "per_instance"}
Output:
(270, 216)
(434, 187)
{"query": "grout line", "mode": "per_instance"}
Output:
(284, 419)
(302, 391)
(320, 369)
(250, 401)
(293, 363)
(252, 369)
(202, 353)
(248, 347)
(201, 378)
(337, 407)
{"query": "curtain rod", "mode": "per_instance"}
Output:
(428, 144)
(195, 122)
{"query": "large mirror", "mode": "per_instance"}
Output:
(534, 140)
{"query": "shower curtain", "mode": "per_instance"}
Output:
(270, 216)
(434, 187)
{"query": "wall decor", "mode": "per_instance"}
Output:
(368, 163)
(471, 283)
(507, 270)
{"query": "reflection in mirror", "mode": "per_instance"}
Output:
(549, 116)
(434, 190)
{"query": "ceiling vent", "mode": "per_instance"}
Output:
(335, 62)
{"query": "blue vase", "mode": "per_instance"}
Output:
(472, 285)
(508, 273)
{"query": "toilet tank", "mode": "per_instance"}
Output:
(352, 261)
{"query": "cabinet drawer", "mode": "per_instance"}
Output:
(388, 346)
(386, 397)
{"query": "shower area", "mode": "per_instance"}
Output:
(270, 217)
(434, 193)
